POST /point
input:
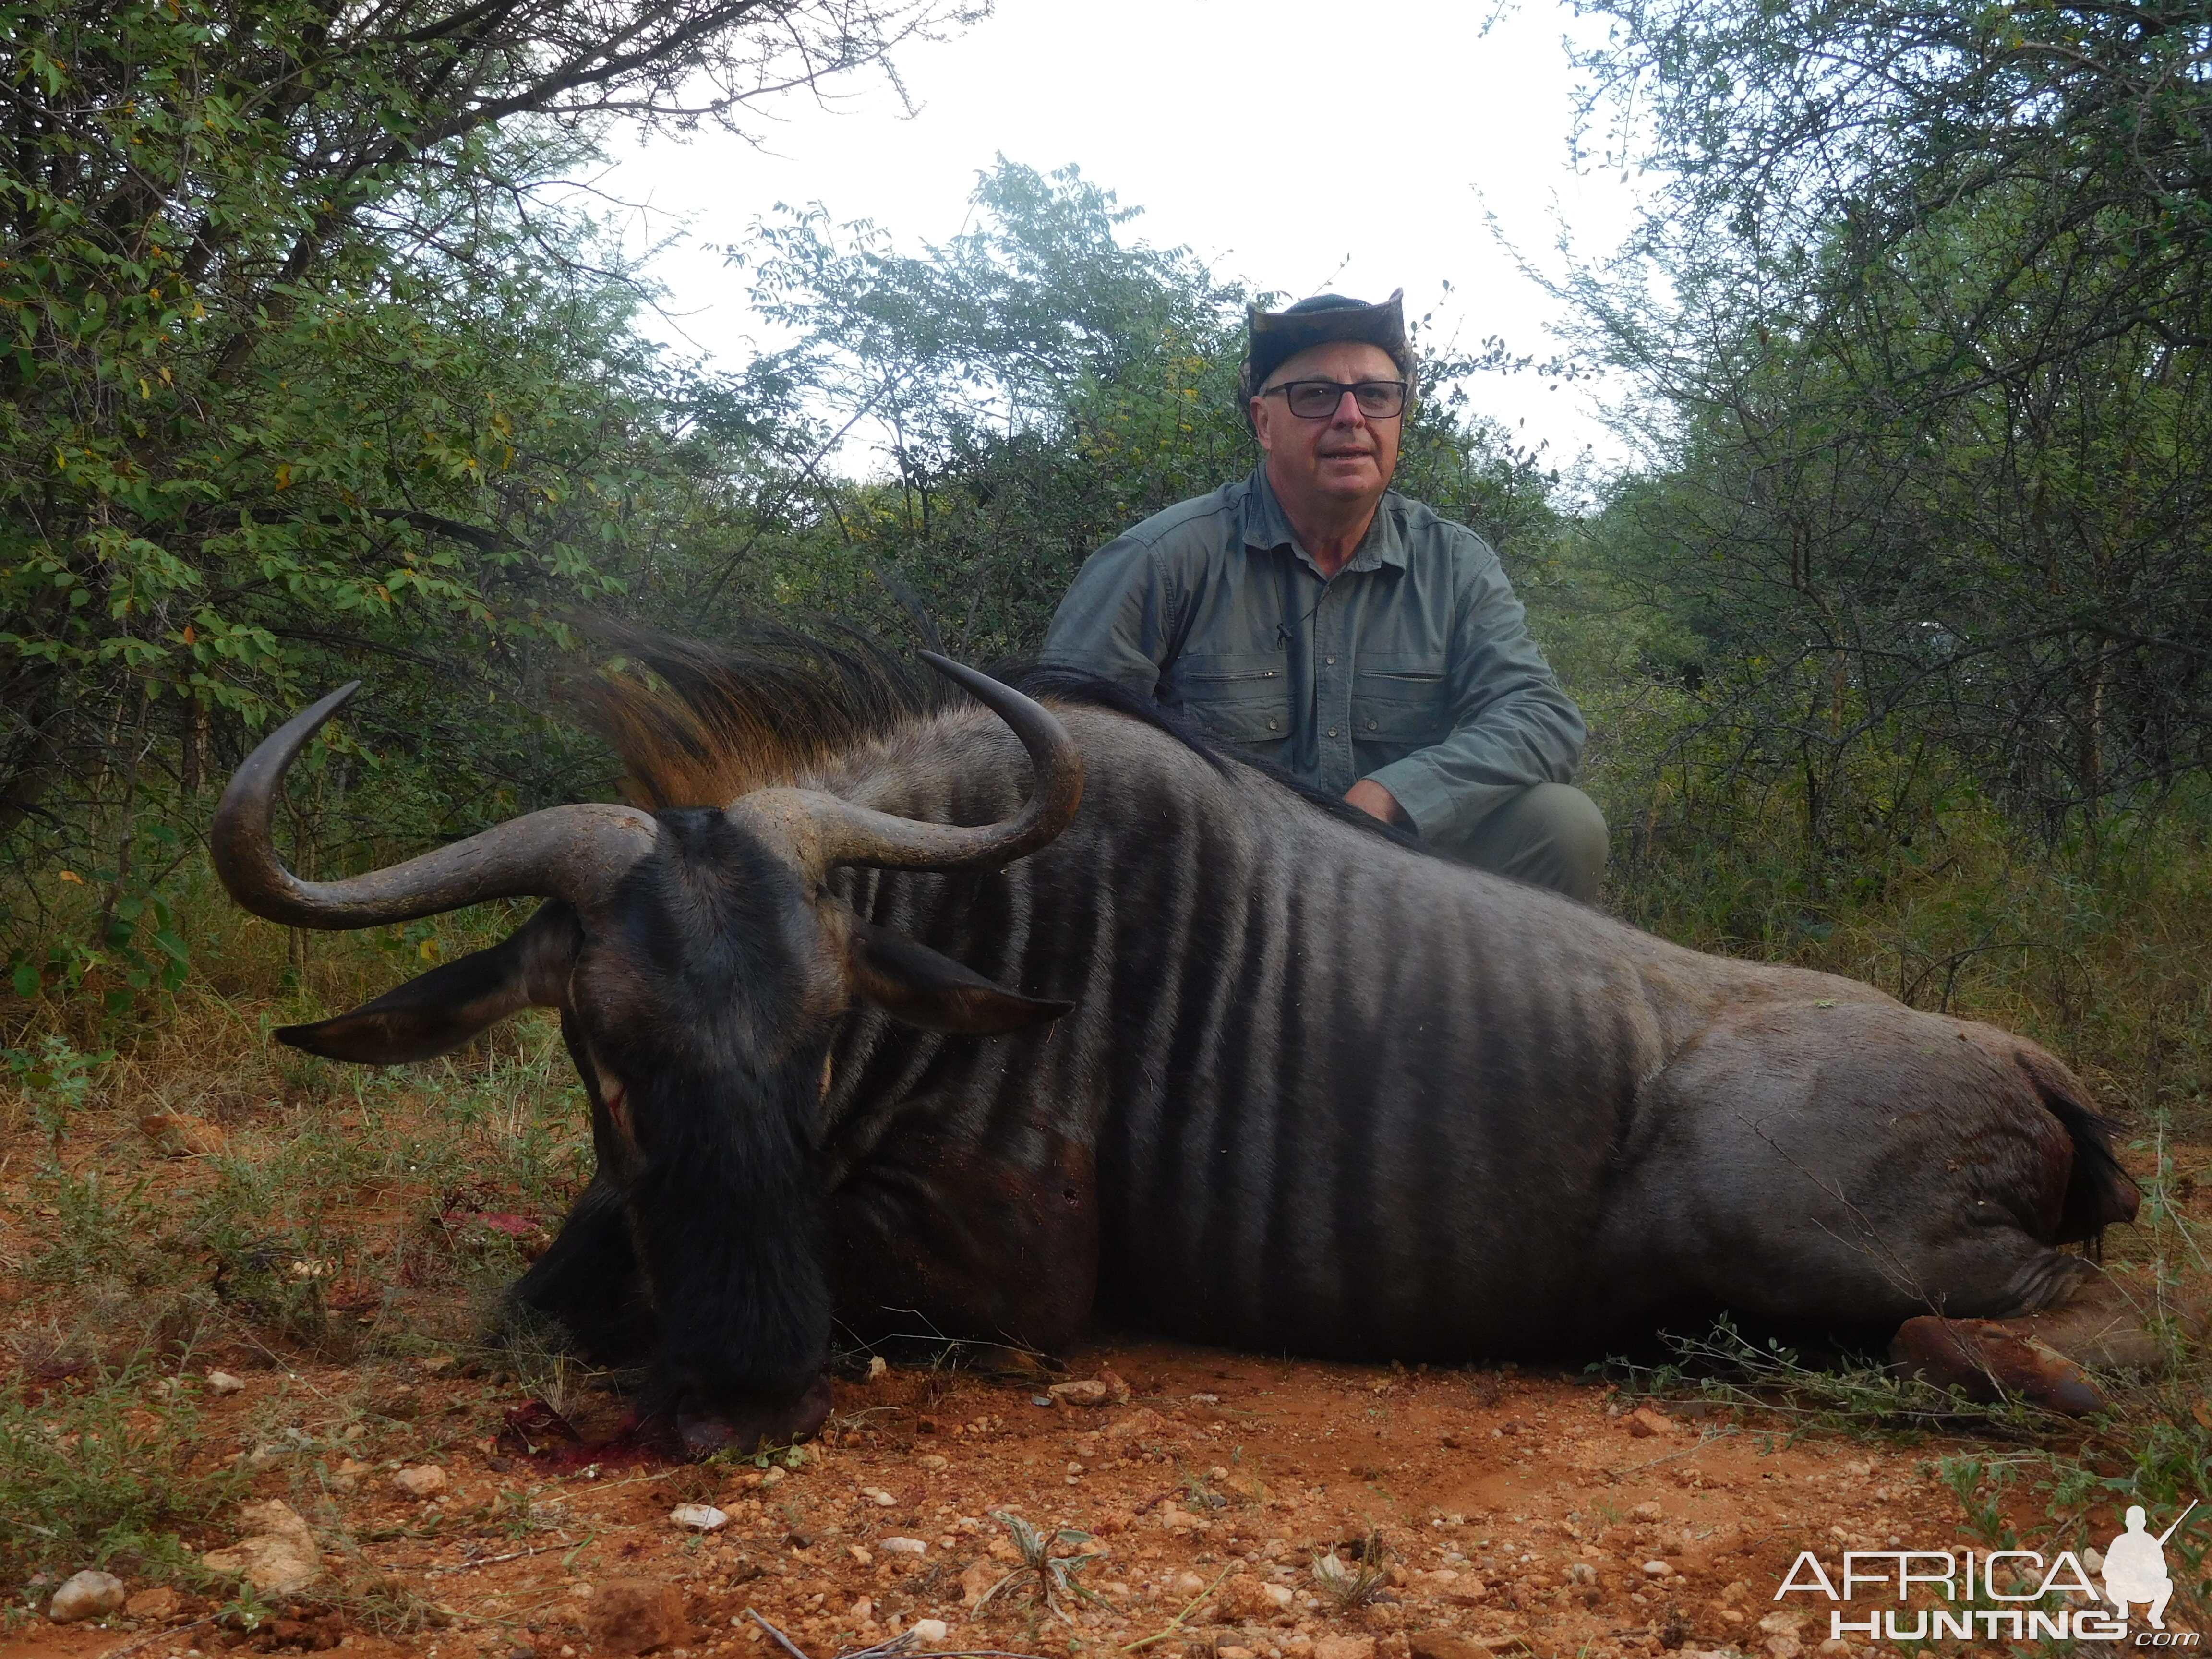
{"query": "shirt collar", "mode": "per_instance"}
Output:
(1266, 525)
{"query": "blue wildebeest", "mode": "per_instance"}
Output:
(987, 1014)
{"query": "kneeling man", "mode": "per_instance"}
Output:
(1309, 616)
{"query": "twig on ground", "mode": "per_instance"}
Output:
(1174, 1625)
(1704, 1441)
(781, 1640)
(488, 1560)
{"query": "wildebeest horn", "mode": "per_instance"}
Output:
(576, 852)
(824, 831)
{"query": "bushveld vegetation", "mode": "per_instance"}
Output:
(1896, 646)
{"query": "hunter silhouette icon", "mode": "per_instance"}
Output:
(2135, 1566)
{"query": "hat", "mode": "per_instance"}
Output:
(1276, 336)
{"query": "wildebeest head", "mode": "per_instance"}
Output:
(699, 962)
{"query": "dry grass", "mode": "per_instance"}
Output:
(309, 1220)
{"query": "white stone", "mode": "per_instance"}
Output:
(224, 1382)
(278, 1555)
(903, 1546)
(424, 1480)
(930, 1630)
(699, 1517)
(87, 1594)
(1656, 1568)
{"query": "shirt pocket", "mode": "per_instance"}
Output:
(1399, 699)
(1238, 696)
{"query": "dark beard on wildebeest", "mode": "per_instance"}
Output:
(874, 1017)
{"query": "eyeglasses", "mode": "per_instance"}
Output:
(1317, 400)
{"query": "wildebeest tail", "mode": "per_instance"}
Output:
(2099, 1192)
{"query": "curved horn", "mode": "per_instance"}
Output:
(575, 852)
(824, 831)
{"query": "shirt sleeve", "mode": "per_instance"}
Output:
(1512, 725)
(1117, 620)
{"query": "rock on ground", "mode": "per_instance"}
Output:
(276, 1556)
(637, 1615)
(175, 1134)
(1243, 1600)
(1445, 1645)
(86, 1595)
(424, 1480)
(157, 1603)
(317, 1634)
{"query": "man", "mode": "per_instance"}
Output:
(1310, 616)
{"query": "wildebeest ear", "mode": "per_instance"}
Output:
(444, 1008)
(913, 983)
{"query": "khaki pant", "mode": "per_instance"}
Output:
(1549, 835)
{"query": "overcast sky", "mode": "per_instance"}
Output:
(1296, 146)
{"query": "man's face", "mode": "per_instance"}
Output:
(1346, 457)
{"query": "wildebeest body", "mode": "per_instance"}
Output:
(900, 1024)
(1338, 1096)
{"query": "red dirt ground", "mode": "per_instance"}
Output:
(1518, 1513)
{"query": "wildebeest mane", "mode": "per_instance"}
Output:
(698, 724)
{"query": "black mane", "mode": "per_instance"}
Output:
(706, 721)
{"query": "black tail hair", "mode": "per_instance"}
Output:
(2099, 1192)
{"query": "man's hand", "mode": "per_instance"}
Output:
(1372, 798)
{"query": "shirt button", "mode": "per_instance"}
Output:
(1332, 731)
(1371, 726)
(1276, 726)
(1331, 661)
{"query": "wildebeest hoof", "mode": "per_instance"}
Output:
(703, 1431)
(1991, 1362)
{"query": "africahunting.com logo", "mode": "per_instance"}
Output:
(2132, 1568)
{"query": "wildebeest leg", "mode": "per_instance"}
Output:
(2102, 1324)
(588, 1282)
(1850, 1165)
(936, 1236)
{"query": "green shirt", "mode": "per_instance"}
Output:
(1413, 666)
